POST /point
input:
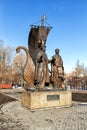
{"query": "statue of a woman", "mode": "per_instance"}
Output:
(41, 68)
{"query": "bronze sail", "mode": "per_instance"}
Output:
(38, 35)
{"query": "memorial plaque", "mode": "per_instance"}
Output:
(53, 97)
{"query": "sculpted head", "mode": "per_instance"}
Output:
(57, 51)
(43, 47)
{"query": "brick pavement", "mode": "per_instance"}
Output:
(14, 117)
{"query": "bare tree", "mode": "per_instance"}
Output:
(5, 62)
(80, 69)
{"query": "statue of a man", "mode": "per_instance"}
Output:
(57, 70)
(41, 68)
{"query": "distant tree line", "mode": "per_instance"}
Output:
(78, 77)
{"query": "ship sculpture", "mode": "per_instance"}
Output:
(36, 72)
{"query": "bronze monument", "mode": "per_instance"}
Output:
(36, 72)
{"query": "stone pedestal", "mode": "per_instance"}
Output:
(46, 99)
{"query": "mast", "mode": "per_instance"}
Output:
(43, 20)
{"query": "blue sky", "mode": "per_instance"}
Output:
(67, 17)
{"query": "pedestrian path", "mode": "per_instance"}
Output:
(72, 118)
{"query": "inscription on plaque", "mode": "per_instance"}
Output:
(53, 97)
